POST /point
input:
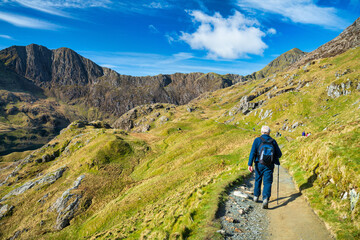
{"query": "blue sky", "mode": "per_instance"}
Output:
(150, 37)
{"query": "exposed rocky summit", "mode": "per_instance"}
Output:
(349, 38)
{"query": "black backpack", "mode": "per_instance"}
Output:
(266, 151)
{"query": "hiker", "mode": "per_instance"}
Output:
(266, 152)
(303, 134)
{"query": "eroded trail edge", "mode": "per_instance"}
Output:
(290, 218)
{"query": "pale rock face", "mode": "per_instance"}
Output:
(66, 205)
(5, 210)
(336, 90)
(49, 178)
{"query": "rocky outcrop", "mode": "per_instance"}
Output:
(49, 156)
(49, 178)
(337, 90)
(5, 210)
(129, 120)
(349, 38)
(66, 205)
(245, 106)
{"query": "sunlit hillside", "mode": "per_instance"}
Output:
(166, 177)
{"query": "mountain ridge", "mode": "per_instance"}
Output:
(168, 181)
(347, 39)
(279, 64)
(56, 69)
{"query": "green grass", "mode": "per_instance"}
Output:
(168, 183)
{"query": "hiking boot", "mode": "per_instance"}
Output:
(256, 199)
(265, 203)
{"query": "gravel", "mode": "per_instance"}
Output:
(241, 217)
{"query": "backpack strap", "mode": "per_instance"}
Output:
(271, 140)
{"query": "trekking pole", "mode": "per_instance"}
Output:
(277, 200)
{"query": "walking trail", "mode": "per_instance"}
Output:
(291, 218)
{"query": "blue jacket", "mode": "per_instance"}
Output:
(255, 147)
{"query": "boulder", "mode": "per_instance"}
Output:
(295, 125)
(144, 128)
(336, 90)
(47, 158)
(190, 109)
(5, 210)
(163, 119)
(306, 66)
(241, 194)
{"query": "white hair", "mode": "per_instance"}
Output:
(265, 130)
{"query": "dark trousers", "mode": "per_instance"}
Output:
(265, 173)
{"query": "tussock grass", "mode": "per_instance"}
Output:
(168, 183)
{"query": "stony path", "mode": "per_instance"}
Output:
(241, 217)
(291, 218)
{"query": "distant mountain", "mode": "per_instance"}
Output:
(278, 64)
(91, 182)
(64, 74)
(42, 91)
(349, 38)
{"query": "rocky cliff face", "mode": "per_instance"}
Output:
(47, 67)
(64, 74)
(349, 38)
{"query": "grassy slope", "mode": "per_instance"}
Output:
(167, 183)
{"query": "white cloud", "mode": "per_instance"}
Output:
(142, 64)
(178, 57)
(26, 22)
(5, 36)
(55, 7)
(231, 38)
(153, 29)
(158, 5)
(172, 37)
(271, 31)
(169, 38)
(298, 11)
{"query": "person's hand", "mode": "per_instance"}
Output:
(250, 168)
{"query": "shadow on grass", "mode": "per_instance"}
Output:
(310, 181)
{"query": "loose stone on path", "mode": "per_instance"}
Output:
(290, 218)
(242, 218)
